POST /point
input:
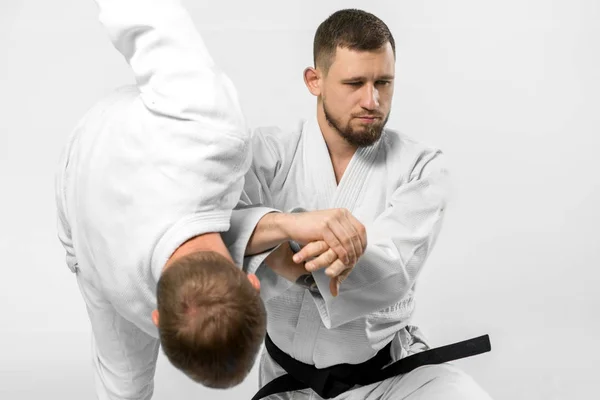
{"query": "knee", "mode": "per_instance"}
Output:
(449, 382)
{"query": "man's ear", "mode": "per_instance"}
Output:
(254, 281)
(312, 80)
(155, 317)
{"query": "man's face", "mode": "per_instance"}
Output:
(357, 93)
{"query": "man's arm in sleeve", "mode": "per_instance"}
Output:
(258, 228)
(173, 69)
(252, 234)
(194, 130)
(400, 241)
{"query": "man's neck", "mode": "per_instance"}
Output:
(207, 242)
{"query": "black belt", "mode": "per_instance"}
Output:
(332, 381)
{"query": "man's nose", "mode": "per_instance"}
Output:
(370, 97)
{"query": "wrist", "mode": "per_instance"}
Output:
(278, 256)
(268, 234)
(281, 225)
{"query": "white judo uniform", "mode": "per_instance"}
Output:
(398, 189)
(146, 169)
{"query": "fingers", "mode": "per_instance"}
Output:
(336, 281)
(354, 237)
(342, 233)
(313, 249)
(359, 231)
(334, 243)
(336, 268)
(324, 260)
(344, 244)
(334, 286)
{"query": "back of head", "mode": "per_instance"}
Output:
(350, 28)
(211, 319)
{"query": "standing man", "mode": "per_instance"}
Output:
(327, 340)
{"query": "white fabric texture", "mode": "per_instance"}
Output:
(398, 188)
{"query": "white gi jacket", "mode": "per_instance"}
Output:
(397, 187)
(151, 166)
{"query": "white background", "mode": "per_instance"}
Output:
(508, 89)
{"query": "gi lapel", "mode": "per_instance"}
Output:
(354, 178)
(316, 157)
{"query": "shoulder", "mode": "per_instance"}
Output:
(398, 141)
(278, 140)
(411, 155)
(286, 134)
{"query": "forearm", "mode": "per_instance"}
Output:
(271, 231)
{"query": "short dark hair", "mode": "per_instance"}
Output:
(212, 321)
(350, 28)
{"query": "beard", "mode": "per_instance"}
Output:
(364, 137)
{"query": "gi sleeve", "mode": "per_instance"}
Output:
(194, 129)
(399, 242)
(255, 201)
(269, 160)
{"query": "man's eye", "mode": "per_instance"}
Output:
(354, 83)
(385, 83)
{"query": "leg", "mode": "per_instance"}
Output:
(124, 357)
(443, 381)
(431, 382)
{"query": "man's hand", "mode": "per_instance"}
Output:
(325, 258)
(280, 261)
(340, 231)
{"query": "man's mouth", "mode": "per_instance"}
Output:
(368, 118)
